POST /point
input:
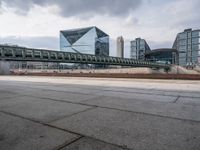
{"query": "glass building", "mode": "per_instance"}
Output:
(162, 55)
(188, 45)
(138, 49)
(89, 40)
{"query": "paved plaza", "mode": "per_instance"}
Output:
(63, 113)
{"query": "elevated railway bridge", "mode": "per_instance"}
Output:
(16, 53)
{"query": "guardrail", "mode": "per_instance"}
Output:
(15, 53)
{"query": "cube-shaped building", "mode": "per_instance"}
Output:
(89, 40)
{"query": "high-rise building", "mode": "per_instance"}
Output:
(120, 47)
(90, 40)
(138, 48)
(188, 45)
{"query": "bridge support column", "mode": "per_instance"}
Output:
(4, 68)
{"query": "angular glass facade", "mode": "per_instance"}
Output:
(188, 45)
(138, 49)
(89, 40)
(163, 55)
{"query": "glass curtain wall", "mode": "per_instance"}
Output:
(89, 40)
(138, 49)
(188, 45)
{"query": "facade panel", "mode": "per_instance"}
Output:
(138, 49)
(89, 40)
(188, 42)
(168, 56)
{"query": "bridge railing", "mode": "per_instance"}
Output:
(15, 53)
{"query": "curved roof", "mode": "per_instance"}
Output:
(161, 50)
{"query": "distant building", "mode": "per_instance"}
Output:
(120, 47)
(188, 45)
(162, 55)
(138, 48)
(90, 40)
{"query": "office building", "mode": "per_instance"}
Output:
(162, 55)
(188, 45)
(138, 48)
(120, 47)
(90, 40)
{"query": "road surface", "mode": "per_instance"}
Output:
(53, 113)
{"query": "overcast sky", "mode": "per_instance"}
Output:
(36, 23)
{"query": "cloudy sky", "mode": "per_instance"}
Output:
(36, 23)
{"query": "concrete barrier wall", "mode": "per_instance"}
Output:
(4, 68)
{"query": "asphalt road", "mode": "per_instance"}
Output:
(58, 113)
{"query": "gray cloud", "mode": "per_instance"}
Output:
(48, 42)
(164, 44)
(35, 42)
(78, 8)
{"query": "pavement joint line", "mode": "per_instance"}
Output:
(39, 122)
(67, 143)
(67, 92)
(127, 99)
(130, 88)
(58, 128)
(82, 135)
(89, 99)
(176, 99)
(152, 94)
(88, 109)
(25, 118)
(137, 112)
(8, 97)
(149, 114)
(121, 91)
(58, 91)
(57, 100)
(119, 146)
(99, 96)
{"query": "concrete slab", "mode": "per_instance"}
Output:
(137, 96)
(135, 131)
(6, 94)
(21, 134)
(155, 91)
(189, 101)
(40, 109)
(173, 110)
(91, 144)
(81, 89)
(64, 96)
(139, 114)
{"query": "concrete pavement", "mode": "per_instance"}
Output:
(52, 113)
